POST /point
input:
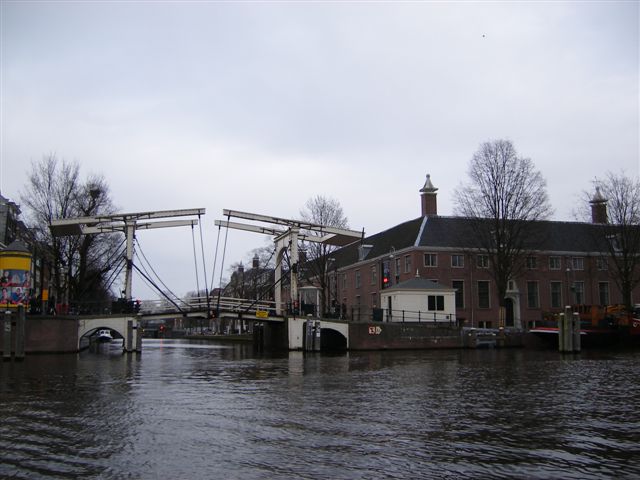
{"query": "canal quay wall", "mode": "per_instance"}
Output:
(38, 334)
(390, 336)
(59, 334)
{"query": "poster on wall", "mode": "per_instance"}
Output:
(15, 285)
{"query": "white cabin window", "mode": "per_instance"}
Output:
(435, 303)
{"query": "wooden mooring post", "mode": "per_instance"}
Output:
(6, 344)
(17, 346)
(20, 333)
(569, 331)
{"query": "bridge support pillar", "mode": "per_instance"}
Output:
(128, 342)
(138, 329)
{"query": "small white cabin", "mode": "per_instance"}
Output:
(419, 300)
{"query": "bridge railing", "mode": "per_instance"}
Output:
(199, 304)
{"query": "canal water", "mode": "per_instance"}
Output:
(189, 410)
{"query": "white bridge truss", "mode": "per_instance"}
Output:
(287, 239)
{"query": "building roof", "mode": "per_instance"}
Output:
(462, 233)
(417, 283)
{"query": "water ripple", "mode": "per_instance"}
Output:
(195, 410)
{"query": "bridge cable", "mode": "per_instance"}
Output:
(204, 264)
(195, 261)
(99, 275)
(154, 286)
(156, 274)
(268, 289)
(157, 288)
(215, 259)
(115, 273)
(224, 252)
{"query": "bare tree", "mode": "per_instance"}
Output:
(79, 263)
(315, 264)
(505, 195)
(621, 230)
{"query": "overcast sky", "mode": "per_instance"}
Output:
(258, 106)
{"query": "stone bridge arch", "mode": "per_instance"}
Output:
(119, 324)
(334, 335)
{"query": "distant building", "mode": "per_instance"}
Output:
(10, 224)
(569, 267)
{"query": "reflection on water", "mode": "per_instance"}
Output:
(200, 410)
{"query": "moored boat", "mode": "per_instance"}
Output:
(104, 335)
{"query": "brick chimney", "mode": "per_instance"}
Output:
(599, 208)
(428, 198)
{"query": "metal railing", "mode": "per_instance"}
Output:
(420, 316)
(215, 304)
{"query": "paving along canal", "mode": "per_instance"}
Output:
(184, 409)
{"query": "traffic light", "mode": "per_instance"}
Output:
(386, 275)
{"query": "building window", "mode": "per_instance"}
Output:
(532, 263)
(556, 294)
(344, 281)
(374, 300)
(430, 260)
(482, 261)
(603, 290)
(435, 303)
(459, 286)
(602, 263)
(555, 263)
(483, 294)
(533, 299)
(577, 263)
(407, 264)
(358, 281)
(374, 275)
(397, 270)
(578, 292)
(457, 261)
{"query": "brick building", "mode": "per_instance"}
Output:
(570, 265)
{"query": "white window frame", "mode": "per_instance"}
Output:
(458, 262)
(577, 263)
(433, 260)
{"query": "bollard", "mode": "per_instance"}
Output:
(6, 344)
(473, 338)
(20, 333)
(501, 339)
(318, 333)
(138, 336)
(308, 335)
(569, 331)
(576, 332)
(562, 332)
(128, 346)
